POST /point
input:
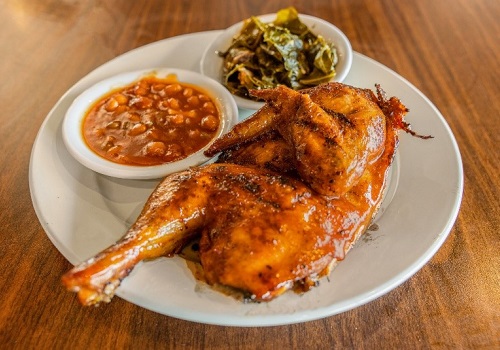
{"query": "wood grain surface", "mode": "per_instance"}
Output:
(449, 49)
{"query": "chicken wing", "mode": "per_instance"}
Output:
(340, 125)
(268, 151)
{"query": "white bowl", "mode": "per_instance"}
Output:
(77, 147)
(211, 63)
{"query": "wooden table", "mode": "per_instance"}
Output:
(448, 49)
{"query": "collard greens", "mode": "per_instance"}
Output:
(286, 52)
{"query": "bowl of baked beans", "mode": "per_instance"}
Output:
(148, 123)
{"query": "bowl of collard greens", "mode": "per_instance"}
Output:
(285, 48)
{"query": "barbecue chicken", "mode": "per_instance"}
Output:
(295, 186)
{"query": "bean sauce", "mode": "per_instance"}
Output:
(150, 122)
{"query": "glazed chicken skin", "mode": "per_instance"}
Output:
(257, 142)
(340, 125)
(262, 232)
(268, 151)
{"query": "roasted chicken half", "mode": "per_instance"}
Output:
(297, 184)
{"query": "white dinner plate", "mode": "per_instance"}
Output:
(84, 212)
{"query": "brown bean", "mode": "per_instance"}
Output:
(174, 103)
(134, 117)
(115, 124)
(187, 92)
(191, 114)
(140, 90)
(162, 105)
(111, 105)
(144, 84)
(193, 101)
(209, 123)
(155, 149)
(203, 97)
(121, 99)
(120, 109)
(137, 129)
(99, 132)
(173, 89)
(142, 102)
(157, 87)
(176, 119)
(209, 107)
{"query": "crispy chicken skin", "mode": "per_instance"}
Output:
(335, 123)
(269, 151)
(263, 231)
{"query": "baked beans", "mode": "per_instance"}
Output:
(150, 122)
